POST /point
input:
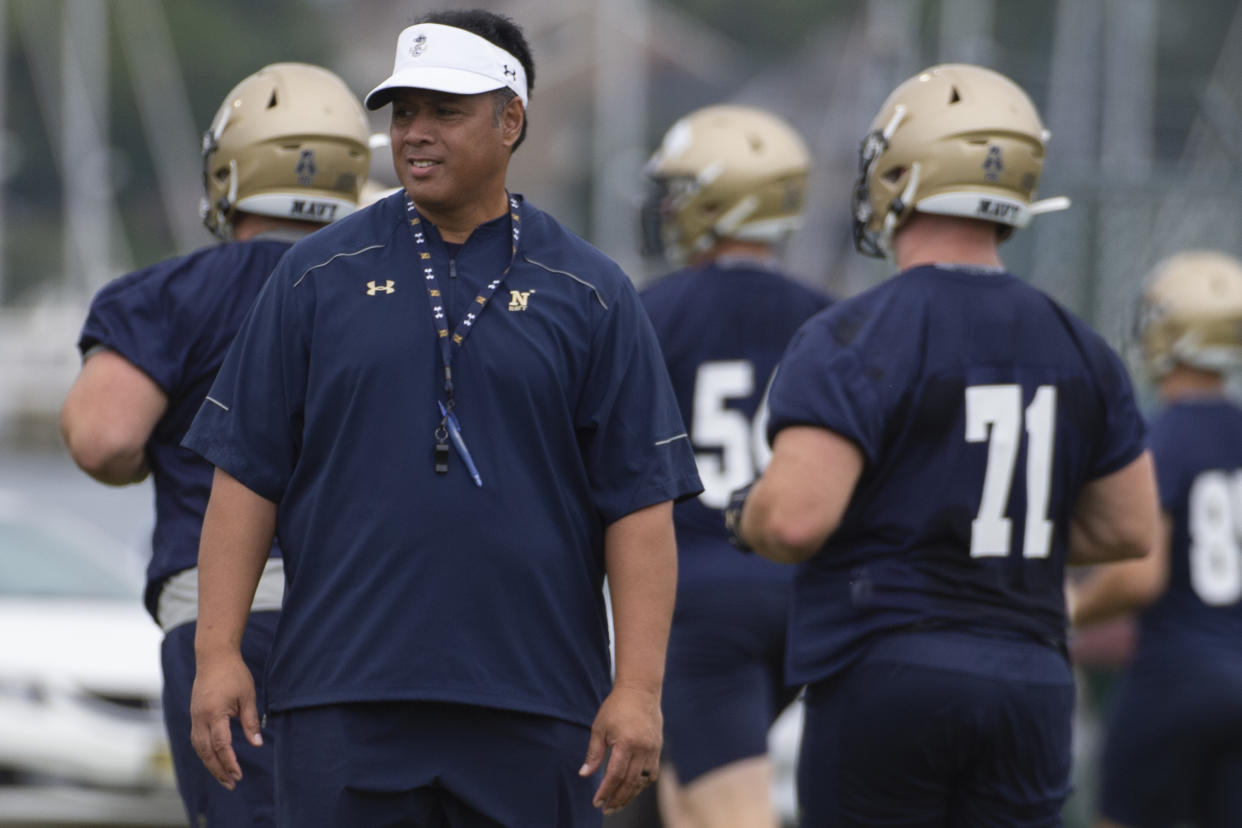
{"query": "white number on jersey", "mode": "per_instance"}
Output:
(994, 414)
(738, 447)
(1215, 530)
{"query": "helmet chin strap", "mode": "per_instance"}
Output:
(899, 115)
(895, 208)
(224, 226)
(885, 238)
(735, 216)
(232, 196)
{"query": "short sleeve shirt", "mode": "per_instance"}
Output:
(722, 328)
(174, 321)
(1197, 448)
(981, 408)
(403, 583)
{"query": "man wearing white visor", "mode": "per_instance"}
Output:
(456, 416)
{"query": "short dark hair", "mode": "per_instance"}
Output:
(499, 30)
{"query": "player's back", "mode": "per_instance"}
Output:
(722, 329)
(981, 408)
(175, 320)
(1197, 447)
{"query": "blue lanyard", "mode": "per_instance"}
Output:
(448, 426)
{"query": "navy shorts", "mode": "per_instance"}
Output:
(936, 728)
(430, 765)
(724, 685)
(1173, 750)
(207, 802)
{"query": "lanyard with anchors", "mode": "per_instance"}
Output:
(448, 426)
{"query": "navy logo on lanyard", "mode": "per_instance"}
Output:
(449, 428)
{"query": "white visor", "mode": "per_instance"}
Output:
(449, 59)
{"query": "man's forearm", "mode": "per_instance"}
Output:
(237, 538)
(640, 553)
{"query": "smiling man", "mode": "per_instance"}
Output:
(455, 415)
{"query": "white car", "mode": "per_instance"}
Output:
(80, 679)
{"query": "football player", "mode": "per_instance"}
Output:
(285, 154)
(1173, 750)
(728, 187)
(943, 444)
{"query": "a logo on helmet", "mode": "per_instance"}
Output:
(306, 168)
(511, 74)
(315, 210)
(996, 210)
(418, 46)
(993, 164)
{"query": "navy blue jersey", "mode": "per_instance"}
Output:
(1197, 447)
(722, 328)
(174, 321)
(402, 583)
(981, 408)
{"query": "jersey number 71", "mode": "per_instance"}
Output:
(994, 414)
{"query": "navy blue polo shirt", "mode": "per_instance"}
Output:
(1197, 446)
(722, 328)
(407, 584)
(981, 408)
(174, 321)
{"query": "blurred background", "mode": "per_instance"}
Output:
(102, 104)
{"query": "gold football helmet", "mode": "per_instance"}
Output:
(1191, 313)
(956, 140)
(724, 171)
(291, 141)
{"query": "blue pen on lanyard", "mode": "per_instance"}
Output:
(454, 430)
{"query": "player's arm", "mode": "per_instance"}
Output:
(1116, 516)
(800, 498)
(108, 416)
(238, 529)
(640, 555)
(1111, 591)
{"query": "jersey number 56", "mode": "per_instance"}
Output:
(738, 446)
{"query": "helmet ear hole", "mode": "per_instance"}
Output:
(272, 101)
(954, 95)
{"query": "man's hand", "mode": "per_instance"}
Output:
(223, 690)
(629, 729)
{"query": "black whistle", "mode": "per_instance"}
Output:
(442, 455)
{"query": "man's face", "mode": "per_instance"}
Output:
(450, 151)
